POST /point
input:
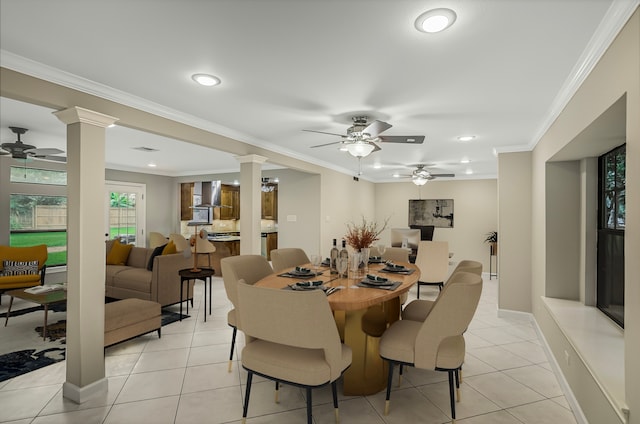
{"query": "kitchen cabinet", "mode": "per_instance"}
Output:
(186, 201)
(272, 243)
(230, 201)
(270, 203)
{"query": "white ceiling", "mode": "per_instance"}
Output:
(501, 72)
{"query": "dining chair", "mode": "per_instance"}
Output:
(204, 247)
(437, 343)
(396, 254)
(283, 347)
(250, 269)
(287, 257)
(433, 261)
(181, 243)
(156, 239)
(418, 309)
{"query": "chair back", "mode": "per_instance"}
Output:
(450, 316)
(433, 261)
(181, 243)
(288, 257)
(396, 254)
(156, 239)
(203, 245)
(467, 265)
(24, 254)
(426, 231)
(291, 318)
(250, 268)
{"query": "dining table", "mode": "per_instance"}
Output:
(349, 300)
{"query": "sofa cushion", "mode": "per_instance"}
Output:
(119, 253)
(157, 251)
(111, 272)
(137, 279)
(139, 257)
(19, 267)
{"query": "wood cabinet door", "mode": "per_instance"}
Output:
(270, 204)
(230, 199)
(272, 243)
(186, 201)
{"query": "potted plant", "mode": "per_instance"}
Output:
(492, 239)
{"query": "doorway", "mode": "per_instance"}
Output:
(125, 212)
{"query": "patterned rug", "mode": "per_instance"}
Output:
(30, 351)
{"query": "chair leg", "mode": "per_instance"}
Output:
(245, 407)
(334, 394)
(277, 398)
(400, 375)
(418, 289)
(233, 344)
(457, 385)
(389, 381)
(451, 399)
(309, 419)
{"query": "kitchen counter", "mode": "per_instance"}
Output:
(222, 238)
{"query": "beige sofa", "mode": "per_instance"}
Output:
(161, 284)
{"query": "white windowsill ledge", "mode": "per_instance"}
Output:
(598, 342)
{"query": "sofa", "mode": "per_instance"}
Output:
(22, 271)
(161, 284)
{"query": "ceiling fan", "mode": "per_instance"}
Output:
(362, 136)
(420, 175)
(20, 150)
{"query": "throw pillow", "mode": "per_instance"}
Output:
(119, 253)
(169, 248)
(157, 251)
(19, 267)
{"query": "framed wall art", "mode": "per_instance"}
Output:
(436, 212)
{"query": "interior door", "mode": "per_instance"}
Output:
(125, 210)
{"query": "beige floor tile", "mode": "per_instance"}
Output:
(543, 412)
(562, 401)
(150, 385)
(170, 341)
(60, 404)
(210, 354)
(353, 411)
(474, 366)
(161, 360)
(25, 403)
(211, 406)
(527, 350)
(503, 390)
(120, 364)
(208, 377)
(538, 379)
(499, 358)
(500, 417)
(156, 411)
(408, 406)
(85, 416)
(471, 402)
(495, 335)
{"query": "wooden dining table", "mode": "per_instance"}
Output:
(368, 372)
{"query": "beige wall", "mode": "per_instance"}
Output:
(474, 213)
(514, 228)
(615, 77)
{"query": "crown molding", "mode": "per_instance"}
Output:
(611, 24)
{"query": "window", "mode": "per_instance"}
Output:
(40, 219)
(38, 176)
(611, 225)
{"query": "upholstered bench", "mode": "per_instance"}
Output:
(129, 318)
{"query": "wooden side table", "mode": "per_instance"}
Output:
(203, 274)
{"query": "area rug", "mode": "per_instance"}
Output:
(22, 348)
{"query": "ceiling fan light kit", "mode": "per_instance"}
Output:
(419, 181)
(360, 149)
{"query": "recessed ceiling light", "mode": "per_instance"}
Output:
(469, 172)
(466, 137)
(151, 165)
(396, 175)
(377, 166)
(465, 161)
(435, 20)
(206, 79)
(236, 182)
(343, 148)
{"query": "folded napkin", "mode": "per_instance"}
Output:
(326, 262)
(306, 285)
(309, 283)
(377, 278)
(302, 270)
(391, 265)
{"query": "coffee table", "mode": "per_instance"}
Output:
(44, 299)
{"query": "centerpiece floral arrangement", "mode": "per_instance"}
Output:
(363, 235)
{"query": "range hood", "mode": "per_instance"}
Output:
(210, 192)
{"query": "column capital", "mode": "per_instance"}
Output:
(251, 159)
(76, 114)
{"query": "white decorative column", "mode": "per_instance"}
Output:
(85, 252)
(250, 203)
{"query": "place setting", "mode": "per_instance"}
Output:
(300, 272)
(312, 285)
(378, 282)
(390, 267)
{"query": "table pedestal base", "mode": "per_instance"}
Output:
(367, 374)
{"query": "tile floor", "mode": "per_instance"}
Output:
(182, 378)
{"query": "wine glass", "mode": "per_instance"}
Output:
(341, 266)
(381, 249)
(315, 261)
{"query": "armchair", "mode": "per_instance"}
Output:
(10, 280)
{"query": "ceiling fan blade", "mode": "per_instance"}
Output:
(409, 139)
(443, 175)
(51, 158)
(326, 144)
(376, 127)
(376, 147)
(4, 152)
(323, 132)
(43, 151)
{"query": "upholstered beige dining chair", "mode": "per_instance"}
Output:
(156, 239)
(418, 309)
(433, 261)
(437, 343)
(203, 247)
(250, 269)
(288, 257)
(396, 254)
(283, 347)
(181, 243)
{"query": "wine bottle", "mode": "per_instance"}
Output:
(344, 253)
(333, 256)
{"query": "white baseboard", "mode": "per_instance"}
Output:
(82, 394)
